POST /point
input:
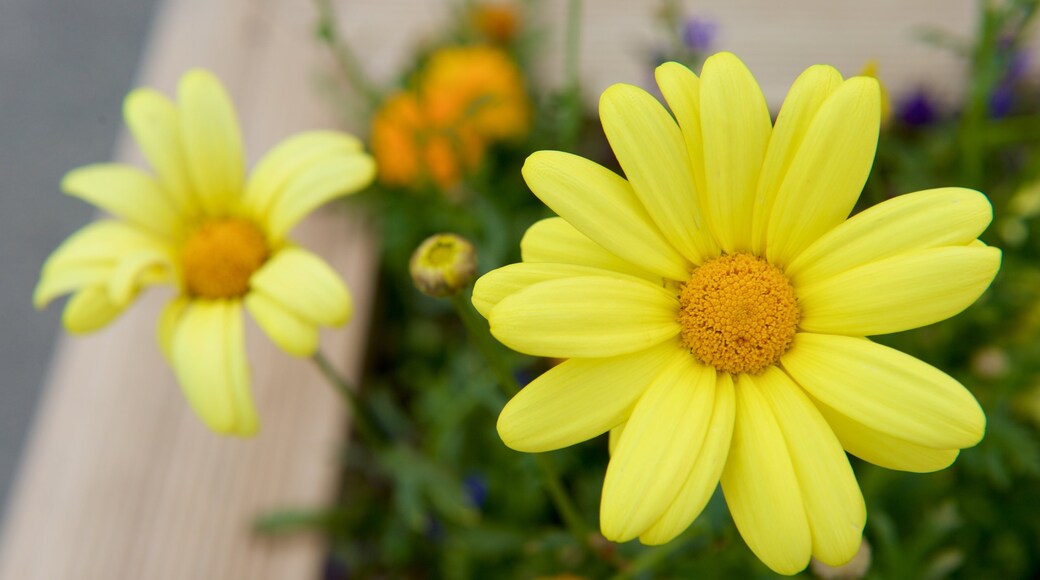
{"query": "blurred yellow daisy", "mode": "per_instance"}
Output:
(714, 307)
(220, 239)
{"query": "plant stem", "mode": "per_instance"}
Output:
(650, 558)
(572, 89)
(1012, 130)
(478, 330)
(328, 32)
(361, 417)
(573, 43)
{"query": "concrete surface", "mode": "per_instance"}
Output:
(64, 68)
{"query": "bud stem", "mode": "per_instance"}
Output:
(480, 333)
(360, 415)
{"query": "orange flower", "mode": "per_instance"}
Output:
(411, 150)
(478, 83)
(496, 22)
(467, 98)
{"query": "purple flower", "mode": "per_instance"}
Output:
(1003, 98)
(698, 34)
(917, 109)
(476, 488)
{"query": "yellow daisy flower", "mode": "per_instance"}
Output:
(714, 307)
(220, 239)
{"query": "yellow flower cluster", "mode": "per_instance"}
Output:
(466, 98)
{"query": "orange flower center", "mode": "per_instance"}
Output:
(738, 313)
(221, 255)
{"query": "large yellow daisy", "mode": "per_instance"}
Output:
(221, 240)
(714, 307)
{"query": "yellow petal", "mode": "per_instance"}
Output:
(321, 182)
(615, 437)
(103, 242)
(169, 319)
(885, 450)
(492, 287)
(306, 286)
(736, 125)
(133, 270)
(291, 333)
(886, 390)
(88, 310)
(807, 94)
(55, 282)
(950, 216)
(602, 205)
(554, 240)
(580, 399)
(704, 476)
(651, 150)
(211, 141)
(681, 89)
(832, 498)
(93, 255)
(586, 317)
(208, 354)
(761, 488)
(906, 291)
(657, 449)
(155, 124)
(287, 159)
(126, 192)
(828, 171)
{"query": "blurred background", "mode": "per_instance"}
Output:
(64, 68)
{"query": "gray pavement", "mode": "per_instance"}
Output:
(64, 68)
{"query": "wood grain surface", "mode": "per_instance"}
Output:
(120, 479)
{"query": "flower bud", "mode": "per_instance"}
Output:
(443, 265)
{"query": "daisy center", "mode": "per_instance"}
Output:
(221, 255)
(738, 313)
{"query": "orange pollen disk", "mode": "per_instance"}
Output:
(220, 257)
(738, 313)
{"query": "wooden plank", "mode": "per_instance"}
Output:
(120, 479)
(777, 40)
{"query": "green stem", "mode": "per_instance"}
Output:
(975, 112)
(1012, 131)
(362, 419)
(348, 63)
(572, 87)
(478, 330)
(650, 558)
(573, 43)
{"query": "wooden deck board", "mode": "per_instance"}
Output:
(121, 480)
